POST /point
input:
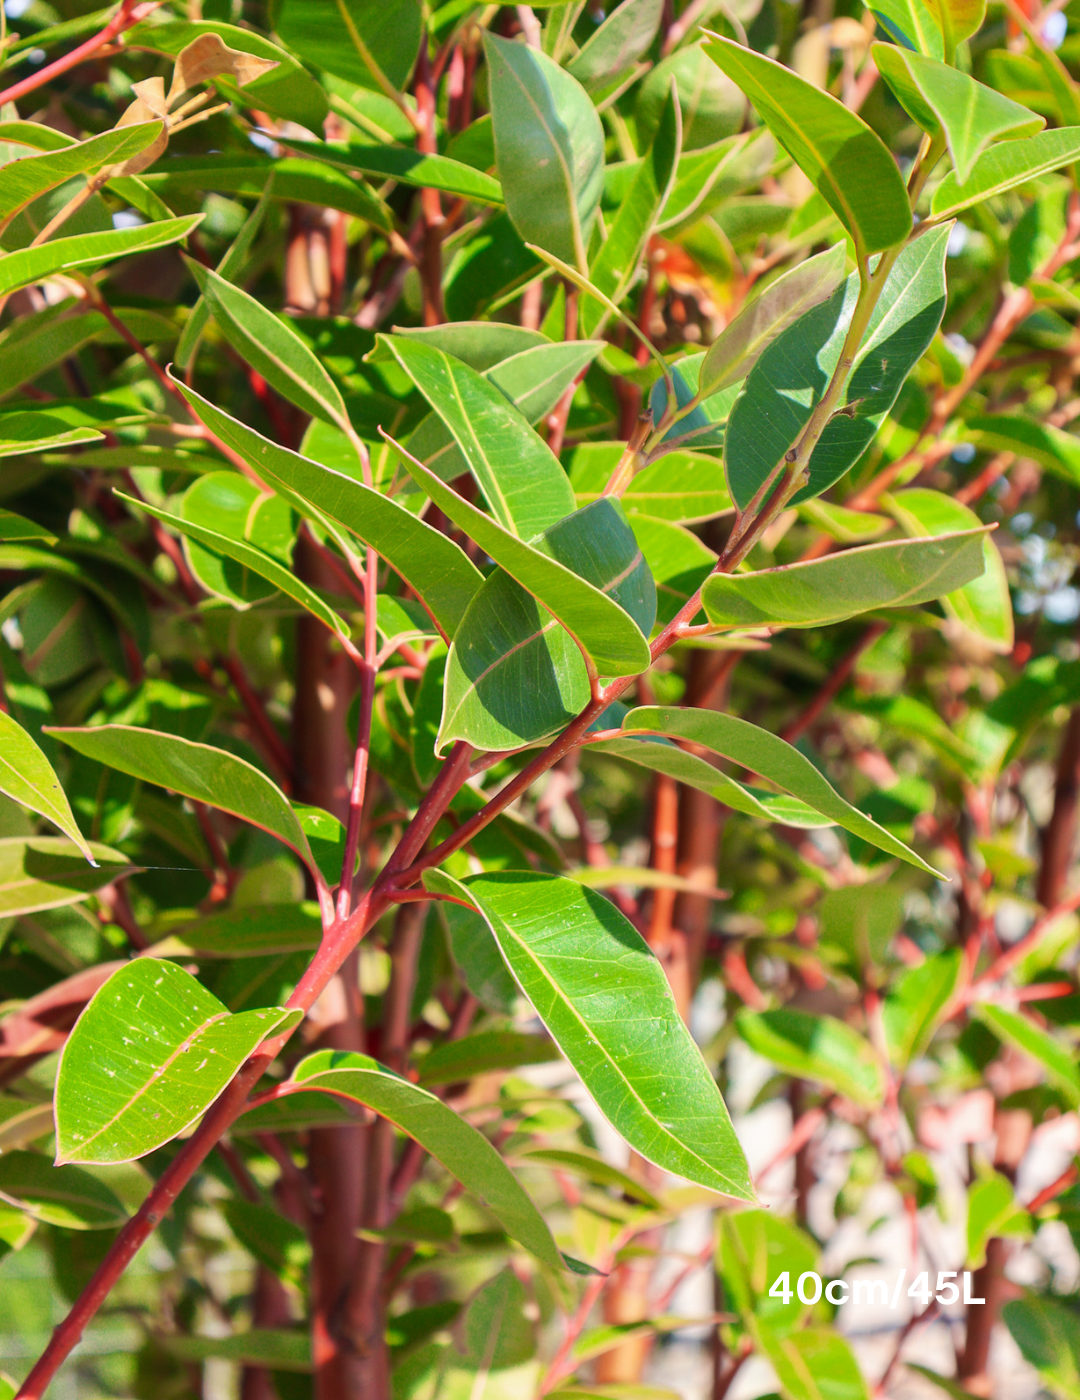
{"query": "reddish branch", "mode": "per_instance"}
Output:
(128, 15)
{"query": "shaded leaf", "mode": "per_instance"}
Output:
(24, 180)
(481, 1053)
(409, 167)
(28, 265)
(337, 35)
(65, 1196)
(617, 44)
(815, 1047)
(913, 1008)
(45, 872)
(27, 777)
(1005, 166)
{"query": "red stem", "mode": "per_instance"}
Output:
(129, 14)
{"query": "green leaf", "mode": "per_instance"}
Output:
(946, 102)
(408, 167)
(249, 557)
(1016, 1030)
(607, 635)
(462, 1150)
(739, 346)
(36, 432)
(816, 1363)
(698, 773)
(290, 178)
(285, 91)
(754, 1247)
(336, 35)
(982, 605)
(195, 771)
(30, 265)
(272, 348)
(549, 148)
(681, 487)
(148, 1056)
(481, 344)
(912, 1010)
(816, 1047)
(275, 1348)
(483, 1052)
(441, 573)
(1005, 166)
(593, 1167)
(45, 872)
(519, 475)
(706, 177)
(27, 777)
(617, 45)
(270, 1238)
(841, 156)
(992, 1210)
(1045, 1329)
(910, 23)
(896, 574)
(958, 20)
(602, 994)
(792, 375)
(1053, 448)
(246, 932)
(65, 1196)
(764, 753)
(712, 106)
(616, 266)
(514, 675)
(678, 561)
(22, 181)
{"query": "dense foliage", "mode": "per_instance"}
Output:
(477, 481)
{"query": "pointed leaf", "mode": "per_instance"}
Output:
(1057, 1058)
(896, 574)
(549, 148)
(46, 872)
(606, 634)
(196, 771)
(27, 777)
(147, 1057)
(772, 758)
(843, 158)
(912, 24)
(616, 266)
(816, 1047)
(1005, 166)
(462, 1150)
(271, 347)
(983, 605)
(37, 432)
(958, 20)
(483, 1052)
(64, 1196)
(739, 346)
(513, 674)
(481, 344)
(29, 265)
(409, 167)
(22, 181)
(519, 475)
(603, 995)
(619, 42)
(945, 101)
(441, 573)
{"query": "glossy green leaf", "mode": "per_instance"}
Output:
(816, 1047)
(958, 20)
(764, 753)
(946, 102)
(27, 777)
(915, 1004)
(983, 605)
(231, 505)
(272, 348)
(619, 42)
(739, 346)
(912, 24)
(46, 872)
(519, 475)
(616, 266)
(408, 167)
(462, 1150)
(276, 1348)
(24, 180)
(34, 431)
(441, 573)
(549, 148)
(250, 558)
(681, 487)
(1005, 166)
(285, 91)
(514, 675)
(1015, 1029)
(338, 35)
(246, 932)
(895, 574)
(792, 375)
(532, 381)
(1053, 448)
(65, 1196)
(290, 178)
(481, 344)
(1045, 1329)
(606, 633)
(481, 1053)
(148, 1056)
(30, 265)
(841, 156)
(196, 771)
(603, 995)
